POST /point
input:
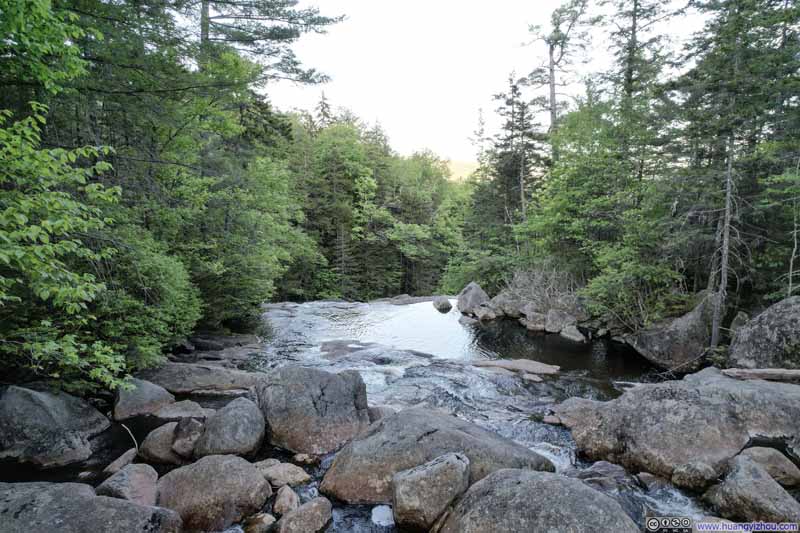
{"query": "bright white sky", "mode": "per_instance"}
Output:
(421, 68)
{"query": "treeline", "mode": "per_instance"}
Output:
(676, 170)
(148, 188)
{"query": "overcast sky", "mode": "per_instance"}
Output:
(421, 68)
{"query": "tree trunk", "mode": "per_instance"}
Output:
(719, 303)
(204, 22)
(553, 103)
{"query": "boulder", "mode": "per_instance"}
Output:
(187, 433)
(157, 446)
(313, 411)
(139, 397)
(362, 471)
(750, 494)
(136, 483)
(770, 340)
(259, 523)
(556, 320)
(120, 462)
(420, 495)
(48, 429)
(214, 492)
(677, 343)
(310, 517)
(306, 459)
(212, 342)
(738, 321)
(74, 508)
(776, 464)
(484, 312)
(511, 501)
(187, 378)
(471, 297)
(506, 304)
(175, 412)
(573, 334)
(534, 321)
(283, 474)
(379, 411)
(287, 500)
(238, 429)
(442, 304)
(685, 430)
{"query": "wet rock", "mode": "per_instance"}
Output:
(310, 517)
(604, 476)
(378, 412)
(749, 493)
(652, 483)
(136, 483)
(442, 304)
(770, 340)
(471, 297)
(211, 342)
(214, 492)
(238, 429)
(187, 433)
(120, 462)
(74, 508)
(186, 378)
(48, 429)
(305, 459)
(557, 320)
(157, 446)
(420, 495)
(287, 500)
(518, 365)
(677, 343)
(259, 523)
(143, 398)
(284, 474)
(362, 470)
(510, 501)
(685, 430)
(572, 333)
(776, 464)
(313, 411)
(534, 321)
(484, 312)
(175, 412)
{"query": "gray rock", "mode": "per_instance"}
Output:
(48, 429)
(157, 446)
(511, 501)
(238, 429)
(175, 412)
(186, 378)
(557, 320)
(120, 462)
(313, 411)
(283, 474)
(310, 517)
(677, 343)
(211, 342)
(286, 501)
(506, 304)
(484, 312)
(776, 464)
(187, 433)
(259, 523)
(74, 508)
(143, 398)
(749, 493)
(738, 321)
(685, 430)
(362, 471)
(770, 340)
(136, 483)
(534, 321)
(420, 495)
(379, 411)
(442, 304)
(471, 297)
(573, 334)
(214, 492)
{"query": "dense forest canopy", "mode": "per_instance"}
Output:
(148, 187)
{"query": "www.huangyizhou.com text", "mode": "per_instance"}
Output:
(746, 526)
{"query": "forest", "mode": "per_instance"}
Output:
(148, 188)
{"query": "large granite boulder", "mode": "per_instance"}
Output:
(136, 483)
(157, 446)
(511, 501)
(48, 429)
(749, 493)
(684, 430)
(420, 495)
(139, 397)
(677, 343)
(557, 320)
(362, 471)
(214, 492)
(770, 340)
(471, 297)
(506, 304)
(313, 411)
(74, 508)
(187, 378)
(238, 429)
(776, 464)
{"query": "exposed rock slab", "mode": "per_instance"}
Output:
(214, 492)
(313, 411)
(136, 483)
(142, 398)
(511, 501)
(48, 429)
(770, 340)
(238, 429)
(519, 365)
(362, 471)
(186, 378)
(684, 430)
